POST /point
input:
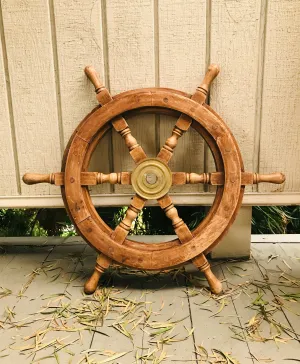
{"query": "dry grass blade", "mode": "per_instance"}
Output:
(5, 292)
(261, 360)
(114, 307)
(10, 313)
(222, 305)
(271, 257)
(113, 357)
(228, 357)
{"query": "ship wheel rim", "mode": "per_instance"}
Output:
(130, 253)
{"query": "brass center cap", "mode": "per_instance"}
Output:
(151, 179)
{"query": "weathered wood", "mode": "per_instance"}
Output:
(96, 82)
(255, 178)
(102, 263)
(181, 64)
(235, 35)
(122, 230)
(78, 40)
(84, 134)
(184, 234)
(130, 32)
(202, 264)
(279, 137)
(213, 332)
(9, 180)
(217, 178)
(27, 32)
(178, 178)
(253, 271)
(52, 178)
(150, 178)
(156, 48)
(86, 178)
(119, 123)
(184, 122)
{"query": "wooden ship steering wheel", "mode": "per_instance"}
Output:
(152, 179)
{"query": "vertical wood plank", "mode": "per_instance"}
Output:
(8, 184)
(280, 124)
(235, 47)
(182, 53)
(30, 62)
(130, 39)
(78, 30)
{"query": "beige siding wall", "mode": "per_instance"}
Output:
(44, 93)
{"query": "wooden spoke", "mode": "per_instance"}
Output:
(122, 230)
(136, 151)
(167, 150)
(184, 234)
(218, 178)
(249, 178)
(184, 121)
(178, 178)
(181, 229)
(182, 178)
(87, 178)
(120, 125)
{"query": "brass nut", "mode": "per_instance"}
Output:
(151, 179)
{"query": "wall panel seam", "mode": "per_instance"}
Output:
(207, 63)
(105, 44)
(9, 101)
(56, 75)
(107, 80)
(156, 68)
(260, 85)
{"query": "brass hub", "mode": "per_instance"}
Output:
(151, 179)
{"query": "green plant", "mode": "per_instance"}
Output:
(276, 220)
(151, 221)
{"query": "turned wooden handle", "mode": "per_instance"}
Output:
(213, 281)
(34, 178)
(201, 263)
(212, 72)
(93, 77)
(102, 263)
(92, 283)
(277, 178)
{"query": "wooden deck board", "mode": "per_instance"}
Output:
(246, 310)
(18, 264)
(167, 298)
(82, 267)
(162, 296)
(285, 261)
(127, 287)
(38, 295)
(212, 330)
